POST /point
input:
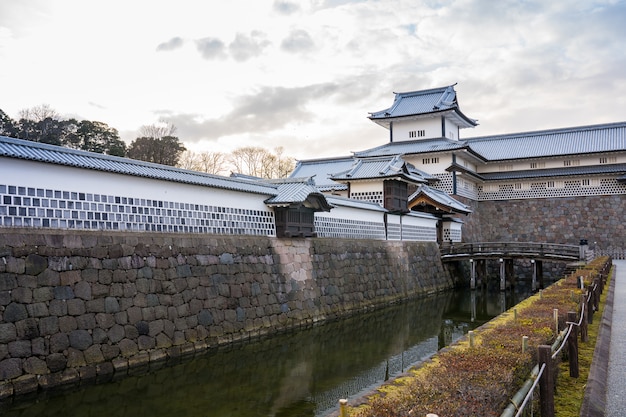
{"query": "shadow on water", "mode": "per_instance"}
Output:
(301, 373)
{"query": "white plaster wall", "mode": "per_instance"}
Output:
(350, 213)
(431, 126)
(58, 177)
(366, 186)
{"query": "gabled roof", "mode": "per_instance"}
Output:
(300, 193)
(321, 170)
(426, 195)
(349, 202)
(555, 142)
(413, 147)
(380, 168)
(413, 104)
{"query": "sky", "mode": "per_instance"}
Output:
(304, 75)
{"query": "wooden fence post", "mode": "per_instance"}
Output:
(584, 334)
(590, 304)
(546, 383)
(572, 345)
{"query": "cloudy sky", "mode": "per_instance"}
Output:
(305, 74)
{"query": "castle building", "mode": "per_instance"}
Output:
(424, 183)
(424, 131)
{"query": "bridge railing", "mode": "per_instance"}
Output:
(511, 248)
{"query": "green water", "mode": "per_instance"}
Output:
(297, 374)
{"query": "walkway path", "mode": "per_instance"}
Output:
(616, 383)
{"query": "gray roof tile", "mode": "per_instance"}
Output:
(17, 148)
(554, 142)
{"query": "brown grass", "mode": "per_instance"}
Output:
(464, 381)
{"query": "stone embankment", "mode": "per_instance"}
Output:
(77, 306)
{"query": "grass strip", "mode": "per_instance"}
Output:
(479, 380)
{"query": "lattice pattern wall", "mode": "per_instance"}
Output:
(445, 182)
(394, 232)
(419, 233)
(347, 228)
(371, 196)
(38, 207)
(466, 189)
(572, 187)
(451, 234)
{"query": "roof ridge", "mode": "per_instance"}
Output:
(528, 133)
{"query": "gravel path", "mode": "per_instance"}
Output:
(616, 384)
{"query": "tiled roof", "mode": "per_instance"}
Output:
(348, 202)
(555, 142)
(380, 167)
(555, 172)
(413, 147)
(321, 170)
(424, 102)
(440, 197)
(21, 149)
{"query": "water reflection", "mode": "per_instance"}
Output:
(301, 373)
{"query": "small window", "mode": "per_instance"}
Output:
(412, 134)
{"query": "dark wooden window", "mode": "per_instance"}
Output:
(396, 196)
(295, 222)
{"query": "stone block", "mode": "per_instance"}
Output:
(99, 336)
(76, 307)
(35, 366)
(57, 308)
(63, 292)
(10, 368)
(43, 294)
(82, 290)
(35, 264)
(145, 342)
(111, 305)
(70, 277)
(48, 325)
(37, 310)
(48, 278)
(75, 358)
(80, 339)
(8, 282)
(95, 306)
(27, 329)
(25, 384)
(105, 321)
(93, 355)
(86, 321)
(15, 312)
(131, 332)
(116, 333)
(59, 342)
(8, 332)
(128, 348)
(20, 349)
(56, 362)
(110, 352)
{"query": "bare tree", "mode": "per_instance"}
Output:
(158, 130)
(39, 113)
(213, 163)
(259, 162)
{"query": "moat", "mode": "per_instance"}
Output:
(299, 373)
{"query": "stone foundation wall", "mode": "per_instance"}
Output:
(555, 220)
(78, 305)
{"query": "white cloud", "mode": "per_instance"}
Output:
(305, 74)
